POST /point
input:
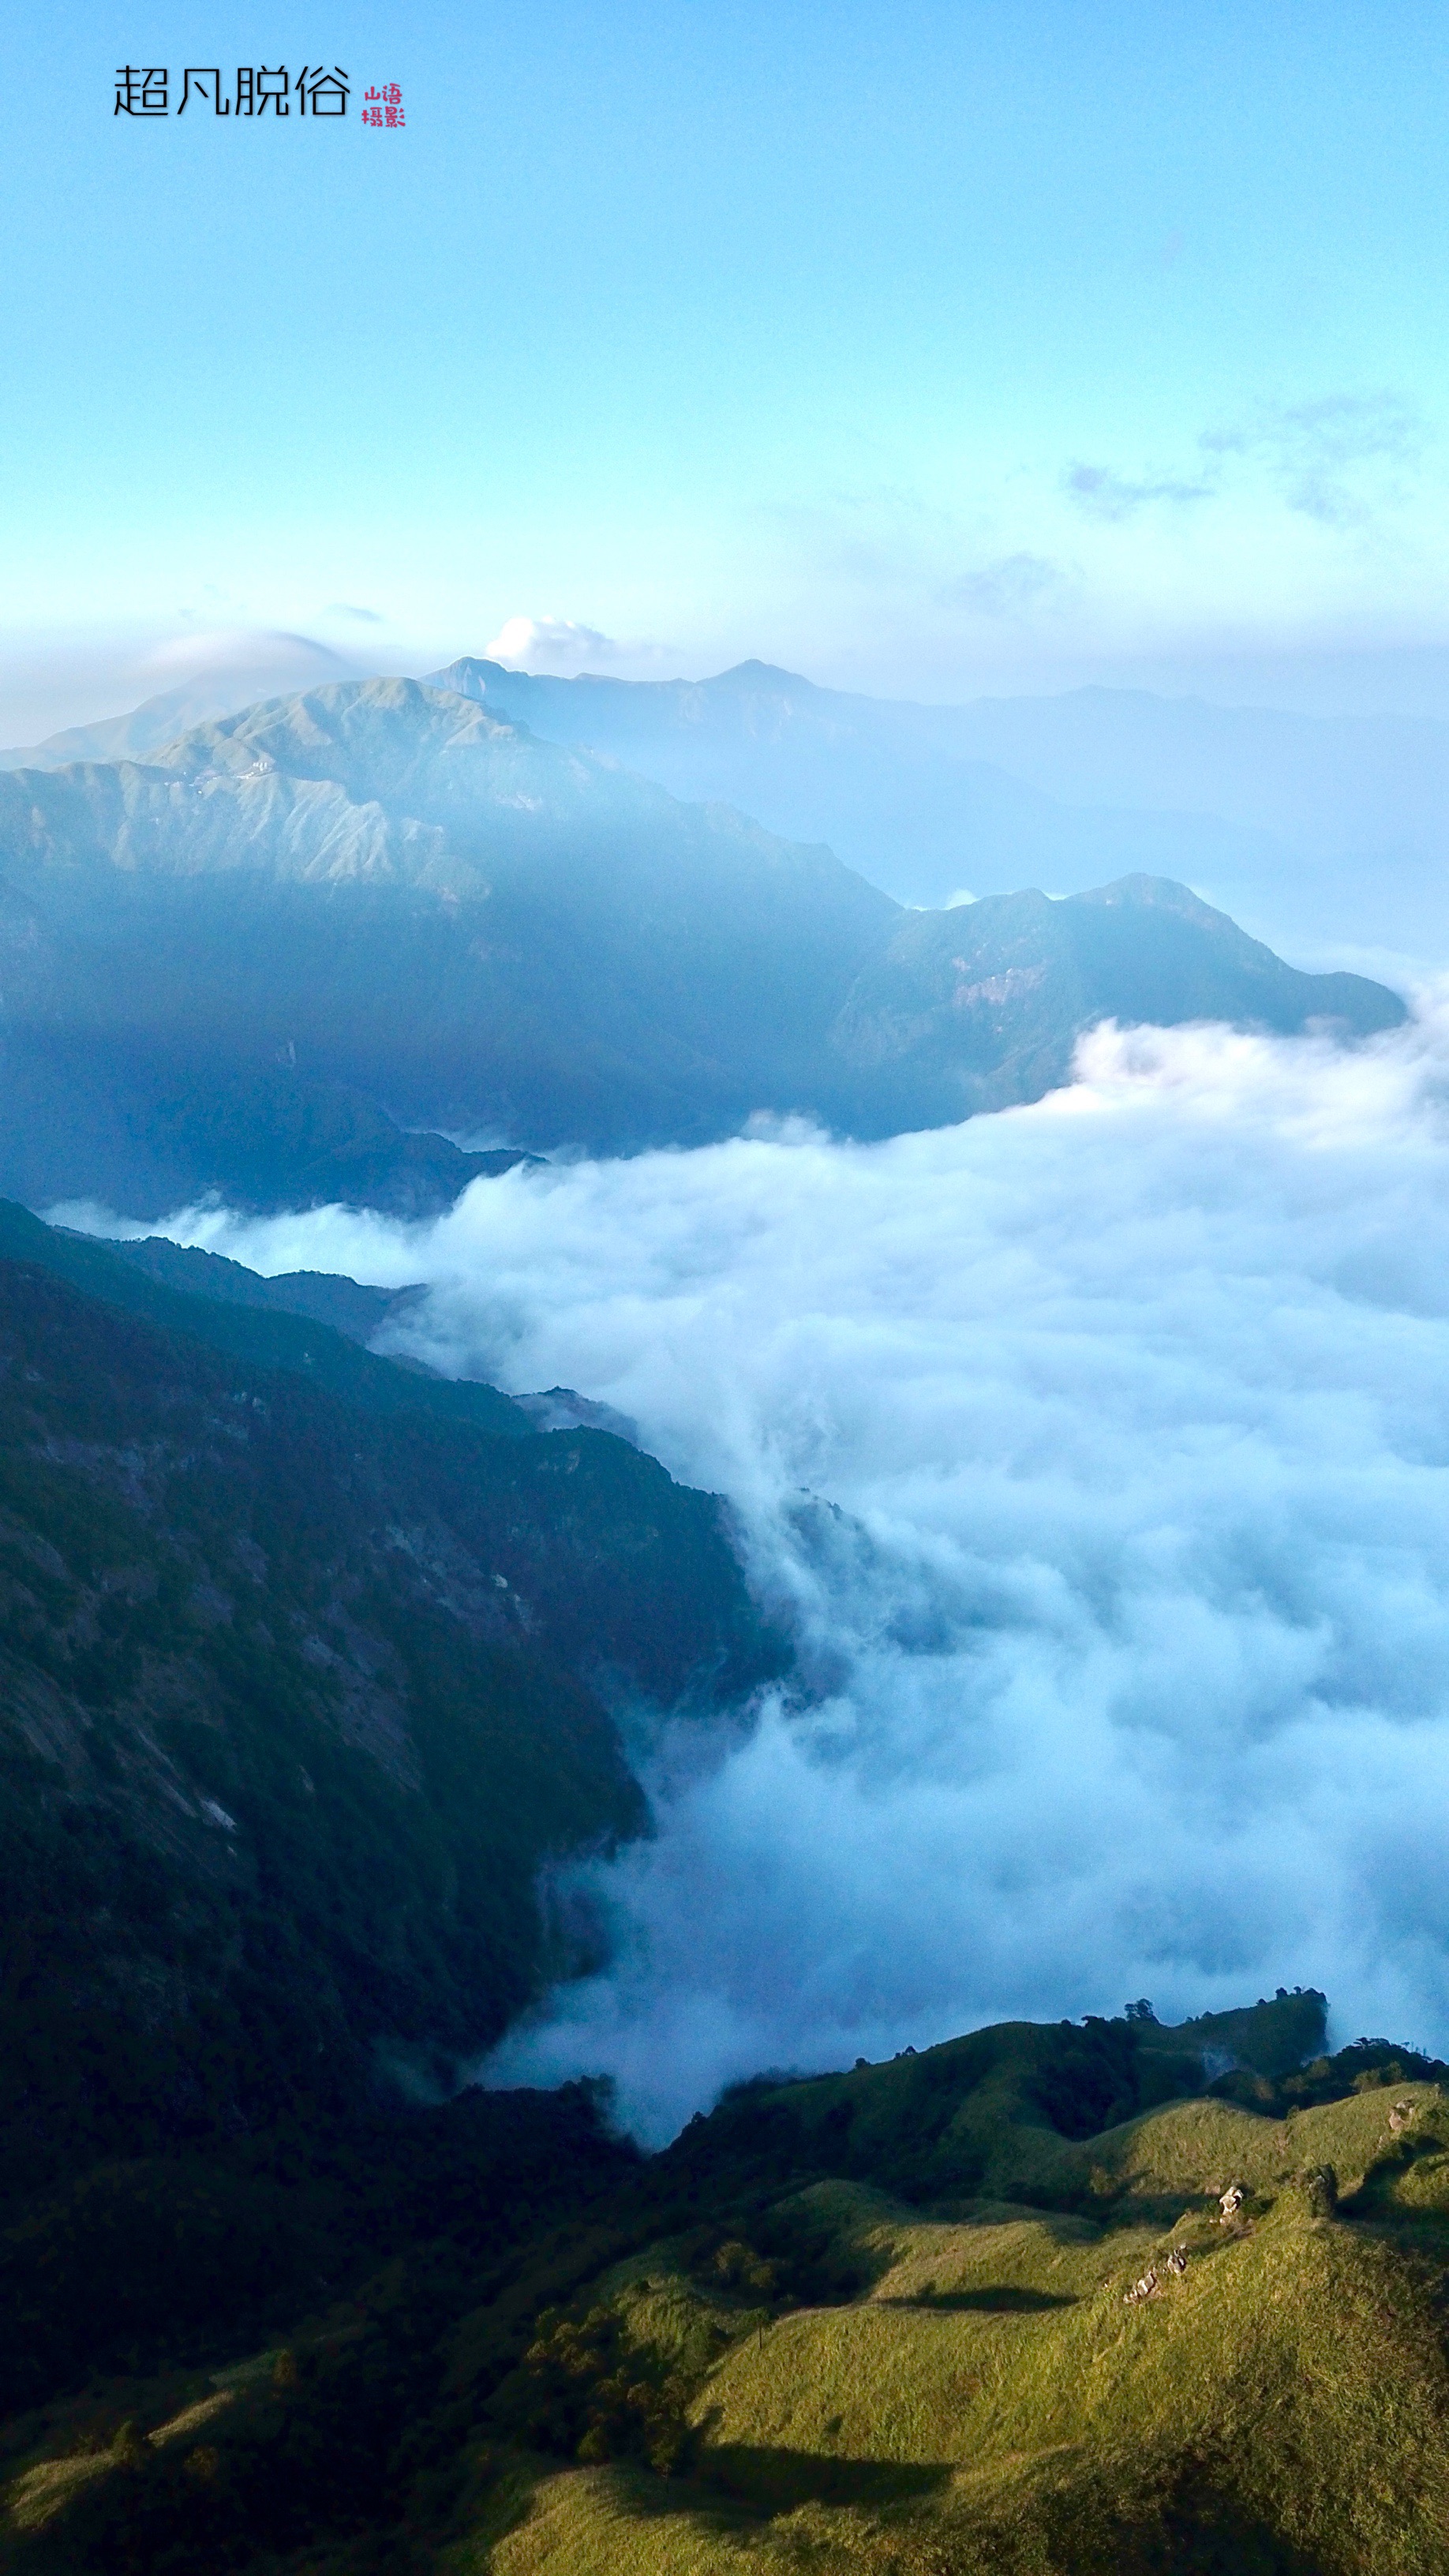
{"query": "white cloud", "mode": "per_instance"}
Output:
(546, 643)
(1009, 586)
(52, 681)
(1130, 1635)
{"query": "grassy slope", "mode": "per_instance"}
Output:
(1300, 2369)
(855, 2380)
(986, 2399)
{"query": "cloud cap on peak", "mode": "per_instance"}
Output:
(547, 643)
(262, 654)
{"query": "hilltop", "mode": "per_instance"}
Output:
(883, 2319)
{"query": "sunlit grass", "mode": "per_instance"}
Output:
(990, 2398)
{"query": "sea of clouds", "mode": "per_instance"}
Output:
(1127, 1636)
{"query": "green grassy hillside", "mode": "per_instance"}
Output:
(495, 2341)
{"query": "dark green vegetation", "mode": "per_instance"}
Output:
(241, 965)
(865, 2322)
(351, 1309)
(267, 1331)
(307, 1664)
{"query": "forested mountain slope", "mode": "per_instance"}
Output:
(306, 1668)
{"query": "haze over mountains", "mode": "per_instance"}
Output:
(1275, 814)
(244, 964)
(210, 675)
(1282, 816)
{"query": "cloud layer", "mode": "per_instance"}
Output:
(1124, 1594)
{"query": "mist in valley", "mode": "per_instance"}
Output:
(1096, 1452)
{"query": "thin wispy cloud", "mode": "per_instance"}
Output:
(1337, 459)
(1341, 459)
(1099, 493)
(1006, 586)
(266, 655)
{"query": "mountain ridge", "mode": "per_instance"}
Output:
(235, 974)
(1044, 2300)
(1275, 812)
(308, 1667)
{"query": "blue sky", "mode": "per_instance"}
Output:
(928, 351)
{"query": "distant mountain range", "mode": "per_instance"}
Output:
(142, 732)
(1286, 819)
(304, 949)
(1290, 818)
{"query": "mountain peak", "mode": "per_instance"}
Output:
(1160, 894)
(467, 677)
(757, 675)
